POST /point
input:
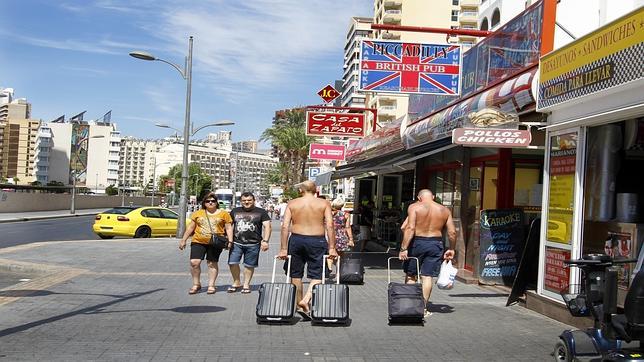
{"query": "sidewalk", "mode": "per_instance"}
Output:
(39, 215)
(127, 300)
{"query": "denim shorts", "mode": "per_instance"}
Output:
(429, 251)
(250, 252)
(309, 250)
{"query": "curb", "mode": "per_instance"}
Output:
(17, 219)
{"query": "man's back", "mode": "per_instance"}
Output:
(431, 217)
(307, 215)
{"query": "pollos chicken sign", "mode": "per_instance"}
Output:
(335, 124)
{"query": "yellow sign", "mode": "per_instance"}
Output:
(560, 208)
(622, 33)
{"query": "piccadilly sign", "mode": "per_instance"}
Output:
(502, 138)
(319, 151)
(335, 124)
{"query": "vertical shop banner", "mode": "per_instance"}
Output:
(563, 156)
(78, 156)
(398, 67)
(556, 274)
(502, 239)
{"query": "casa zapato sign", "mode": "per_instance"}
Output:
(335, 124)
(477, 137)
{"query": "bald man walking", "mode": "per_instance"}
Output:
(423, 239)
(308, 217)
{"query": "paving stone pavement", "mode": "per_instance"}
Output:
(127, 300)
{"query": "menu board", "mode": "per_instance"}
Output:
(502, 241)
(556, 274)
(563, 157)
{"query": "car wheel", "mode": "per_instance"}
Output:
(143, 232)
(562, 353)
(105, 236)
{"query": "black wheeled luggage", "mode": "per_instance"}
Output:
(330, 302)
(351, 271)
(406, 303)
(276, 302)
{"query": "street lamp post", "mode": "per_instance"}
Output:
(72, 208)
(186, 73)
(154, 179)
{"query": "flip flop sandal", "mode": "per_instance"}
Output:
(211, 290)
(233, 289)
(246, 291)
(195, 289)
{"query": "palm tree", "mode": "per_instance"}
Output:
(288, 135)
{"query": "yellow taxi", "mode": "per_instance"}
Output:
(137, 222)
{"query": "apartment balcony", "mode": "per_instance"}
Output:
(470, 4)
(391, 35)
(389, 5)
(384, 118)
(468, 17)
(392, 16)
(387, 110)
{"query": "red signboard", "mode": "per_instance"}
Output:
(479, 137)
(319, 151)
(335, 124)
(557, 276)
(328, 93)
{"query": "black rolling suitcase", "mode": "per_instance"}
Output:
(406, 303)
(351, 271)
(330, 302)
(276, 302)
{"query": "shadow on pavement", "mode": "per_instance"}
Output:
(440, 308)
(480, 295)
(193, 309)
(89, 310)
(19, 293)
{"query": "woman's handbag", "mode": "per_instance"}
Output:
(216, 241)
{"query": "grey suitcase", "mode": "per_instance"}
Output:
(276, 302)
(405, 301)
(352, 271)
(330, 302)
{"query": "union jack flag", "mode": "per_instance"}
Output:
(398, 67)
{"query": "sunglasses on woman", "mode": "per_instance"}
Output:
(211, 201)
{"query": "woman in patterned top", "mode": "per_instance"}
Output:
(205, 222)
(342, 226)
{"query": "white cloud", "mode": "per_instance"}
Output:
(261, 43)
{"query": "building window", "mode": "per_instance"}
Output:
(496, 17)
(484, 24)
(454, 15)
(455, 2)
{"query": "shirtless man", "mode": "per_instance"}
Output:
(308, 217)
(423, 239)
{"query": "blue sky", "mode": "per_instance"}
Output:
(250, 58)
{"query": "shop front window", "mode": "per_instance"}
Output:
(563, 154)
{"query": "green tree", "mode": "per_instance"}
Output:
(198, 181)
(35, 183)
(111, 190)
(288, 136)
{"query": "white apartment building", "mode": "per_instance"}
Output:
(359, 29)
(435, 13)
(54, 157)
(468, 17)
(136, 162)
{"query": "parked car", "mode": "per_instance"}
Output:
(135, 221)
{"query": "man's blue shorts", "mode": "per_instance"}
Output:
(250, 252)
(429, 251)
(309, 250)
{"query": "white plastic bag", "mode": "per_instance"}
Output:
(446, 275)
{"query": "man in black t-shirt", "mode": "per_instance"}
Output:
(252, 230)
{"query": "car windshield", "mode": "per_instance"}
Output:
(120, 210)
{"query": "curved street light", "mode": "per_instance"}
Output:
(186, 73)
(193, 131)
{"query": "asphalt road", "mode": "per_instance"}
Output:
(24, 232)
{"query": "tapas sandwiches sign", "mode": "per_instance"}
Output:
(335, 124)
(503, 138)
(319, 151)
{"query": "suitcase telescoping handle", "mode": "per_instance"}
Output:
(389, 268)
(288, 269)
(337, 273)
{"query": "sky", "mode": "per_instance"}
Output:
(250, 58)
